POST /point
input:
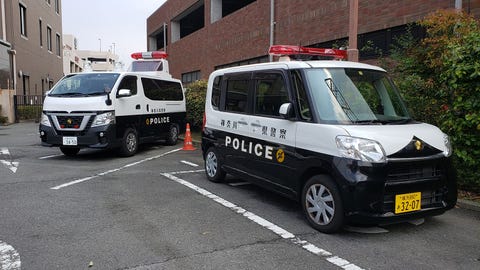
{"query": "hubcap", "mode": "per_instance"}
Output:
(211, 164)
(131, 142)
(320, 204)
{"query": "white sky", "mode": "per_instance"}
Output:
(123, 22)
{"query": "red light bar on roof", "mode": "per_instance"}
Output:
(282, 50)
(149, 55)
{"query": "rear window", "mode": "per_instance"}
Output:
(162, 90)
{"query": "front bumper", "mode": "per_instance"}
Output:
(94, 137)
(369, 190)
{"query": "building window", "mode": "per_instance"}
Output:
(40, 28)
(23, 20)
(222, 8)
(57, 6)
(58, 43)
(256, 60)
(190, 21)
(191, 76)
(49, 38)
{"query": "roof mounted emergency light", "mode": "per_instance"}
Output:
(149, 55)
(293, 51)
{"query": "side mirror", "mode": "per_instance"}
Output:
(285, 110)
(124, 93)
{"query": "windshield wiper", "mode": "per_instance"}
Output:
(370, 121)
(67, 94)
(400, 121)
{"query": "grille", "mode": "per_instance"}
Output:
(74, 122)
(409, 173)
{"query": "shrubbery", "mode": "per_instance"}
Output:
(440, 78)
(195, 95)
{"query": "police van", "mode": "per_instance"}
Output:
(115, 109)
(334, 135)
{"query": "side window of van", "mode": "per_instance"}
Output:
(270, 93)
(216, 90)
(302, 97)
(162, 90)
(237, 95)
(130, 83)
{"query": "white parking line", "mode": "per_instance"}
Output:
(329, 257)
(113, 170)
(189, 163)
(9, 257)
(45, 157)
(7, 160)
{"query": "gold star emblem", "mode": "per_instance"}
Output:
(69, 121)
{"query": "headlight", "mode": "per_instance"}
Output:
(361, 149)
(448, 146)
(104, 119)
(44, 120)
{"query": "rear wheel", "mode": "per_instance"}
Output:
(322, 204)
(172, 136)
(129, 144)
(213, 166)
(69, 151)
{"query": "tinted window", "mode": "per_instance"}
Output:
(162, 90)
(237, 95)
(130, 83)
(216, 90)
(270, 93)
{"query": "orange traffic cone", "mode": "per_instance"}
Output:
(187, 142)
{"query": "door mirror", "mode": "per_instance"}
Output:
(124, 93)
(285, 110)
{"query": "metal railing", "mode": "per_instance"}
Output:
(28, 107)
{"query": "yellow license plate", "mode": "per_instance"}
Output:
(408, 202)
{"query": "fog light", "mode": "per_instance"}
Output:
(101, 134)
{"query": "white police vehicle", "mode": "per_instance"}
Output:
(334, 135)
(115, 109)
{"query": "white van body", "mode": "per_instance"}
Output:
(309, 130)
(112, 110)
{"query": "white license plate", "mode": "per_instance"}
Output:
(69, 140)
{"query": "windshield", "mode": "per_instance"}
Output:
(347, 95)
(85, 84)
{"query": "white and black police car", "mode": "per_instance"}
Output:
(115, 109)
(334, 135)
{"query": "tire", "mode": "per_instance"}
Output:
(213, 166)
(70, 152)
(172, 136)
(322, 204)
(129, 144)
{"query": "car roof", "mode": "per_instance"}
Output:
(299, 65)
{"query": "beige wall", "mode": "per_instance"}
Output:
(6, 100)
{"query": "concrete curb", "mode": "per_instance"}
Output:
(470, 205)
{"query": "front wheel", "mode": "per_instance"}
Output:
(129, 144)
(322, 204)
(213, 166)
(172, 136)
(70, 152)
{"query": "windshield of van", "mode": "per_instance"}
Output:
(348, 95)
(85, 84)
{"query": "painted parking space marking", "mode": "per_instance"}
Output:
(189, 163)
(328, 256)
(51, 156)
(6, 160)
(9, 257)
(112, 170)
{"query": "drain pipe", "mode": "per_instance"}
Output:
(4, 29)
(272, 25)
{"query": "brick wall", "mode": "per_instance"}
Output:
(245, 33)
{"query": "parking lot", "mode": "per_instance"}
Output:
(157, 210)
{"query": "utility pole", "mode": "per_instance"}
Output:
(352, 50)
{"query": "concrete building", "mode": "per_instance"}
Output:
(72, 62)
(33, 31)
(99, 60)
(203, 35)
